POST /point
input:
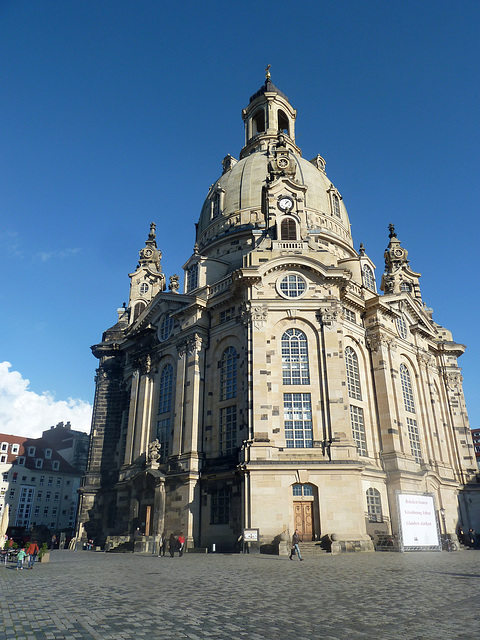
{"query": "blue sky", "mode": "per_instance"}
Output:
(116, 114)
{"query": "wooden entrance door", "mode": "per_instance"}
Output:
(303, 519)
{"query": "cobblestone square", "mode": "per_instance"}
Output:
(382, 596)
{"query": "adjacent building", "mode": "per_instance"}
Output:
(287, 385)
(40, 477)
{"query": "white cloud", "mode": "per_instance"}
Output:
(45, 256)
(26, 413)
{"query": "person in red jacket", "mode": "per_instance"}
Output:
(32, 551)
(181, 544)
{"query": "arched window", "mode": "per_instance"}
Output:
(374, 505)
(368, 279)
(358, 429)
(283, 122)
(288, 229)
(228, 374)
(302, 490)
(138, 308)
(407, 389)
(258, 122)
(295, 357)
(192, 277)
(353, 376)
(164, 408)
(336, 205)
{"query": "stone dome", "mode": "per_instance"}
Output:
(242, 197)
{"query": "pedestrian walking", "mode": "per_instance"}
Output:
(172, 545)
(20, 558)
(295, 548)
(471, 538)
(163, 547)
(181, 544)
(32, 552)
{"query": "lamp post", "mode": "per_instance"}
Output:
(442, 513)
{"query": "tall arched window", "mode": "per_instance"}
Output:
(295, 357)
(336, 205)
(288, 229)
(138, 308)
(228, 374)
(408, 401)
(282, 122)
(374, 505)
(368, 279)
(165, 396)
(407, 389)
(353, 376)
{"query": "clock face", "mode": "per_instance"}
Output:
(282, 163)
(285, 204)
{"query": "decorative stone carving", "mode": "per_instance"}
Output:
(327, 317)
(153, 453)
(174, 283)
(381, 340)
(256, 314)
(454, 381)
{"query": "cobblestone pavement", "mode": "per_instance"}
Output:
(382, 596)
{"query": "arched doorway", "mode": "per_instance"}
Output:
(305, 511)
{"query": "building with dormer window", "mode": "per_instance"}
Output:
(283, 388)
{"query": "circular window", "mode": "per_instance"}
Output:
(401, 327)
(144, 287)
(166, 326)
(292, 286)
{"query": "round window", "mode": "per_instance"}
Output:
(144, 287)
(292, 286)
(166, 326)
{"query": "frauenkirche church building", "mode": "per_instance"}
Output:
(286, 386)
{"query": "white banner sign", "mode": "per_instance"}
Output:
(417, 520)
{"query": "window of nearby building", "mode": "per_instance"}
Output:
(288, 229)
(48, 496)
(37, 511)
(358, 429)
(374, 505)
(220, 506)
(407, 389)
(353, 374)
(302, 490)
(39, 495)
(5, 476)
(349, 315)
(228, 374)
(31, 451)
(414, 438)
(4, 446)
(12, 494)
(42, 480)
(15, 448)
(297, 411)
(292, 286)
(166, 326)
(295, 357)
(368, 279)
(3, 457)
(401, 327)
(21, 461)
(48, 454)
(228, 430)
(57, 497)
(45, 511)
(38, 463)
(59, 482)
(50, 481)
(55, 465)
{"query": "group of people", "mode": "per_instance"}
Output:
(470, 539)
(173, 544)
(30, 552)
